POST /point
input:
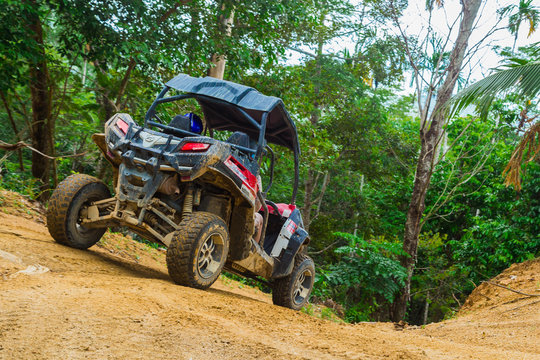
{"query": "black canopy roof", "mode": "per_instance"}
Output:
(223, 103)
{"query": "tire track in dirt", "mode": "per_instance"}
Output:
(117, 301)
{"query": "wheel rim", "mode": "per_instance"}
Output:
(80, 214)
(210, 256)
(78, 225)
(302, 287)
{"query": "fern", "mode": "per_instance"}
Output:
(369, 267)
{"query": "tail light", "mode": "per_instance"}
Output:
(247, 177)
(194, 147)
(117, 129)
(119, 124)
(122, 126)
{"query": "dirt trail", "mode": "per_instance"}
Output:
(117, 301)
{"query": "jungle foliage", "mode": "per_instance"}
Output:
(67, 65)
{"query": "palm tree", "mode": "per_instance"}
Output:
(525, 11)
(523, 77)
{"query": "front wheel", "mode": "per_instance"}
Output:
(198, 250)
(293, 290)
(71, 196)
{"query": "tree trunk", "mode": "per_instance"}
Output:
(85, 63)
(109, 109)
(426, 309)
(310, 182)
(309, 185)
(218, 61)
(14, 127)
(41, 130)
(430, 136)
(123, 84)
(358, 214)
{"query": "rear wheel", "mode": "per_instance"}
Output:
(293, 291)
(198, 250)
(64, 211)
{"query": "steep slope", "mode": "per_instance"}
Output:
(117, 301)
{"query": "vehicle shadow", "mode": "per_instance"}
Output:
(98, 260)
(128, 266)
(132, 269)
(142, 271)
(235, 295)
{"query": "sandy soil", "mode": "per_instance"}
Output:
(117, 301)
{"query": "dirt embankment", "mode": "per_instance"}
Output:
(117, 301)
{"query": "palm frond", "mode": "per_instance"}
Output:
(528, 147)
(524, 78)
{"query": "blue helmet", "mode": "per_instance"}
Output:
(196, 124)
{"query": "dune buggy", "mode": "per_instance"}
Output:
(182, 187)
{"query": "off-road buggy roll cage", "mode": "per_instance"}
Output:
(234, 107)
(196, 194)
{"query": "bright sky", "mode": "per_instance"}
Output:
(415, 22)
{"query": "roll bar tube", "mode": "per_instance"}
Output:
(272, 161)
(152, 109)
(296, 177)
(262, 131)
(261, 127)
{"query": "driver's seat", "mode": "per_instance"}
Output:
(242, 139)
(181, 122)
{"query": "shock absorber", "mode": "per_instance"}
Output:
(188, 201)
